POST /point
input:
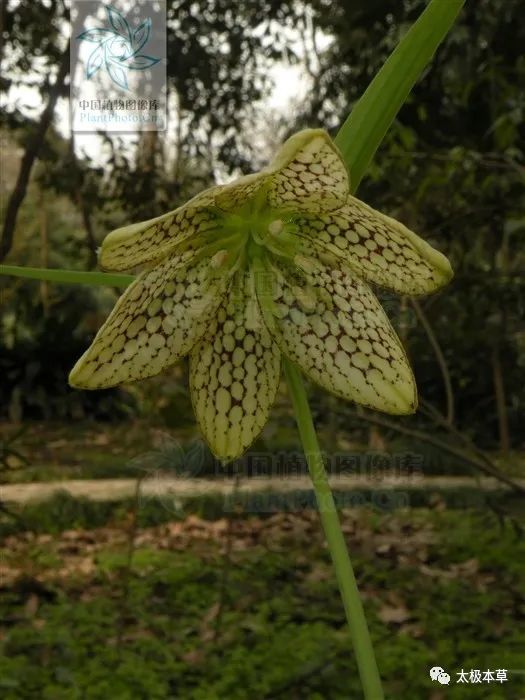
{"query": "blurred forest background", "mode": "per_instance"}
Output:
(204, 623)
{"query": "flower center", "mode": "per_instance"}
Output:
(255, 230)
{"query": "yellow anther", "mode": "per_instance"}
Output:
(219, 258)
(276, 227)
(304, 263)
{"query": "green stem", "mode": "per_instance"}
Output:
(67, 276)
(362, 643)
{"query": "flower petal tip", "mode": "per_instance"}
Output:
(111, 255)
(405, 407)
(444, 266)
(75, 380)
(405, 391)
(399, 399)
(225, 457)
(81, 376)
(442, 272)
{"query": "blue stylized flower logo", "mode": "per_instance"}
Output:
(118, 48)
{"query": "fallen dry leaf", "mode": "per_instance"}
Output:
(390, 614)
(195, 657)
(31, 606)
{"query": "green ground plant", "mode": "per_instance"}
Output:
(67, 633)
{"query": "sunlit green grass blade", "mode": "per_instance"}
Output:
(67, 276)
(361, 134)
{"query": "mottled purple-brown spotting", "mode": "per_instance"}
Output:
(234, 373)
(202, 294)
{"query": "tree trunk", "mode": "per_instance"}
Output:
(91, 241)
(44, 249)
(30, 155)
(501, 406)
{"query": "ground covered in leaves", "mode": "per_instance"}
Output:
(246, 607)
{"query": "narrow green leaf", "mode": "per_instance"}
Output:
(67, 276)
(364, 129)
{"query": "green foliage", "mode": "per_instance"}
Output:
(38, 346)
(84, 640)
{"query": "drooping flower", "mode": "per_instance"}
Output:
(276, 263)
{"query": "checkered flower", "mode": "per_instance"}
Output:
(276, 263)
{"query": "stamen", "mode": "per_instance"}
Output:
(219, 259)
(276, 227)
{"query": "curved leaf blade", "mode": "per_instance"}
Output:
(359, 137)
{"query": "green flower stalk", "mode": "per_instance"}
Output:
(276, 263)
